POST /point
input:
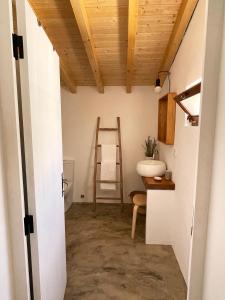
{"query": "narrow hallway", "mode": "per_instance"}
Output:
(104, 263)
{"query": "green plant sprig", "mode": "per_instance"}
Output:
(150, 147)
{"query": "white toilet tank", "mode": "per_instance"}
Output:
(68, 174)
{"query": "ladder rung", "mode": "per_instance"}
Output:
(108, 129)
(108, 198)
(108, 181)
(116, 146)
(99, 163)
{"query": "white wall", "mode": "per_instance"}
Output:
(138, 113)
(182, 157)
(214, 287)
(212, 56)
(6, 274)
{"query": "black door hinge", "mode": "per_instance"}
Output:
(28, 224)
(62, 177)
(17, 46)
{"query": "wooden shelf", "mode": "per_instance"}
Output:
(166, 119)
(151, 184)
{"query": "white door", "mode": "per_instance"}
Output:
(40, 90)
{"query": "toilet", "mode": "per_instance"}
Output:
(68, 175)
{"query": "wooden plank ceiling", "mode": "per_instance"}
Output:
(114, 42)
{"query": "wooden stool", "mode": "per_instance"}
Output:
(139, 199)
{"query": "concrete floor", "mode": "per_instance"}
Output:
(103, 262)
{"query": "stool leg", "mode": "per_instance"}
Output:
(134, 221)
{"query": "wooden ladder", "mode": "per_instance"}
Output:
(97, 163)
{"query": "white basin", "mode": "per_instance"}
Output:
(151, 168)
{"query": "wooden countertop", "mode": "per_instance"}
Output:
(151, 184)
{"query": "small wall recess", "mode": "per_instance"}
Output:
(180, 99)
(166, 119)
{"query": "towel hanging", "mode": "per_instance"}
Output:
(108, 166)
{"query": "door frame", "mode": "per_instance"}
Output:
(12, 149)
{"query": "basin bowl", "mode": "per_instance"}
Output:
(151, 168)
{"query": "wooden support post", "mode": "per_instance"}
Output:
(120, 160)
(95, 166)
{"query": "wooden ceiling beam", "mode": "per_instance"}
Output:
(132, 29)
(182, 21)
(66, 78)
(83, 25)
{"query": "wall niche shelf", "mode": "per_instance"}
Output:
(166, 119)
(181, 99)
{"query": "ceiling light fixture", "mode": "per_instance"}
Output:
(158, 87)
